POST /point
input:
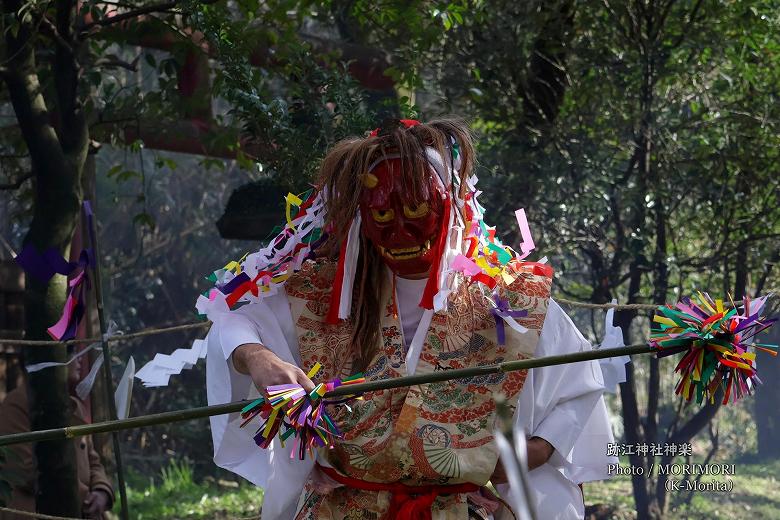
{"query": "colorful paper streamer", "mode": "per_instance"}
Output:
(714, 343)
(288, 411)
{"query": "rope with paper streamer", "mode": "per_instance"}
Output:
(714, 342)
(302, 415)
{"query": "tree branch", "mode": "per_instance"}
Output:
(17, 183)
(688, 26)
(24, 90)
(49, 29)
(73, 128)
(129, 15)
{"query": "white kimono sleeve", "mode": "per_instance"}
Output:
(563, 404)
(268, 322)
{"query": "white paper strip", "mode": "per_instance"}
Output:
(85, 385)
(158, 371)
(124, 390)
(613, 369)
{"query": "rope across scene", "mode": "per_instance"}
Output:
(205, 324)
(30, 514)
(117, 338)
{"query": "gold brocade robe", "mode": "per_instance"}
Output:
(437, 433)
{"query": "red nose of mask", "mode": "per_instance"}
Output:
(402, 228)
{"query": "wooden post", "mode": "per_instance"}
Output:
(11, 323)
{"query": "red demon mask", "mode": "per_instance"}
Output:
(404, 230)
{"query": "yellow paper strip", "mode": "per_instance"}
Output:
(664, 320)
(291, 199)
(316, 368)
(704, 302)
(270, 422)
(508, 278)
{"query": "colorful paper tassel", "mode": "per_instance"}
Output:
(288, 411)
(714, 342)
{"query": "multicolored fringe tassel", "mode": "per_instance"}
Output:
(715, 344)
(288, 411)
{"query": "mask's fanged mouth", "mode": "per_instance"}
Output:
(406, 253)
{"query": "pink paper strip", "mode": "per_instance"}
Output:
(525, 232)
(465, 265)
(57, 330)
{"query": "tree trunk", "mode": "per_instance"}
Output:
(631, 420)
(57, 159)
(767, 413)
(56, 210)
(50, 404)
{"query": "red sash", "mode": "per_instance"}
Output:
(406, 502)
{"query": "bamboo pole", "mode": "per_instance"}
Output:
(108, 381)
(382, 384)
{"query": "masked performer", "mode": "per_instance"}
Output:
(388, 269)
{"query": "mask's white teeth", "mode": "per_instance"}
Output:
(405, 253)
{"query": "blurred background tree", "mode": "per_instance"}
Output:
(641, 136)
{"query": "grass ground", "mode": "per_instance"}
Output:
(174, 494)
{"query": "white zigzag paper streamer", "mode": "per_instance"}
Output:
(159, 370)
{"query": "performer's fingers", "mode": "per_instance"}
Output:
(304, 381)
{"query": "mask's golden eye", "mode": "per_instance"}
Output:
(370, 180)
(417, 211)
(383, 215)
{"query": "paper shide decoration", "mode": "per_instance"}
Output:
(44, 266)
(714, 342)
(290, 412)
(478, 254)
(263, 272)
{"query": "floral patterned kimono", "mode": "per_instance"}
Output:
(431, 434)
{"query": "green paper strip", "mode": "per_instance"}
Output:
(503, 256)
(286, 435)
(252, 404)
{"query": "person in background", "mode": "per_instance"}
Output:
(95, 489)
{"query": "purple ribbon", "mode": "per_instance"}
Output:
(502, 311)
(50, 262)
(233, 284)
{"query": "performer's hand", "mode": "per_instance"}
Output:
(95, 504)
(266, 369)
(539, 452)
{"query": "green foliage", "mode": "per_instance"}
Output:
(177, 475)
(176, 494)
(293, 108)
